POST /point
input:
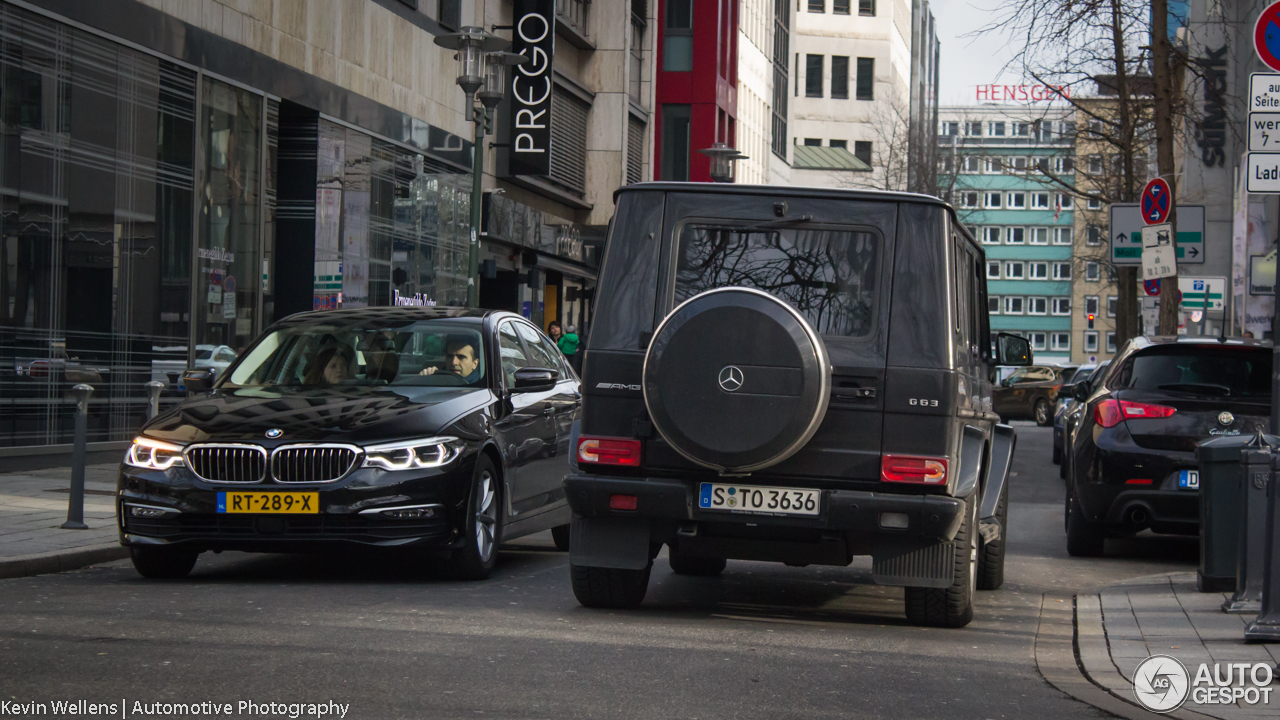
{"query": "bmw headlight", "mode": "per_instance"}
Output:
(412, 454)
(153, 454)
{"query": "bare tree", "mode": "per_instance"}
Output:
(889, 130)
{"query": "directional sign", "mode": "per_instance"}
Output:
(1126, 238)
(1194, 290)
(1152, 287)
(1266, 36)
(1157, 201)
(1157, 252)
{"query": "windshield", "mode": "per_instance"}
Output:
(1213, 371)
(365, 352)
(829, 275)
(1082, 374)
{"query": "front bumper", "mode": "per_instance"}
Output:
(183, 510)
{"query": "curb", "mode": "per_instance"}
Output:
(59, 560)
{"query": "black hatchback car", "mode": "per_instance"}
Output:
(1130, 462)
(435, 428)
(796, 375)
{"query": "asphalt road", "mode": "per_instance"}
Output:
(760, 641)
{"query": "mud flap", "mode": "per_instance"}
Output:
(1003, 440)
(916, 564)
(619, 543)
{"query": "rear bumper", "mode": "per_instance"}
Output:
(1111, 462)
(673, 502)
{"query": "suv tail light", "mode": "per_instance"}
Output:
(609, 451)
(1109, 413)
(912, 469)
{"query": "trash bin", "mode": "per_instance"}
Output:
(1224, 463)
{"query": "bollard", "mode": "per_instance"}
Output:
(153, 398)
(1249, 559)
(75, 504)
(1266, 628)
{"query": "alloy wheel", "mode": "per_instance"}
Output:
(486, 516)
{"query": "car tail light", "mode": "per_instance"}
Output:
(911, 469)
(1109, 413)
(1138, 481)
(622, 502)
(609, 451)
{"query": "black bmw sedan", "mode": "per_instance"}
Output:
(1130, 461)
(438, 428)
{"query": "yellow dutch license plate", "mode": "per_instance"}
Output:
(269, 502)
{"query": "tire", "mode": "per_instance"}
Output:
(163, 563)
(683, 563)
(1057, 455)
(1043, 413)
(479, 552)
(1083, 539)
(991, 555)
(951, 607)
(561, 535)
(597, 587)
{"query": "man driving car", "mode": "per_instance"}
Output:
(460, 359)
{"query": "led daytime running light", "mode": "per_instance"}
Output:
(153, 454)
(410, 454)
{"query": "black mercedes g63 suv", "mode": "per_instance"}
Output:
(796, 375)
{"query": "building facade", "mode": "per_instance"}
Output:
(990, 158)
(177, 176)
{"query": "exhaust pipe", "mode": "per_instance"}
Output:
(1136, 515)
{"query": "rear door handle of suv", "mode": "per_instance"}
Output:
(854, 393)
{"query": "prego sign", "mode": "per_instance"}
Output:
(534, 36)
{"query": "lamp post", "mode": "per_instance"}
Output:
(722, 157)
(482, 75)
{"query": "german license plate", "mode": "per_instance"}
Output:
(755, 499)
(1189, 479)
(292, 503)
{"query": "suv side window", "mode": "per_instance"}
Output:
(513, 356)
(540, 354)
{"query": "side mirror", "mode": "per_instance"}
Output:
(1081, 390)
(531, 379)
(1012, 350)
(197, 381)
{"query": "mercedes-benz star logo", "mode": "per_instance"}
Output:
(1161, 683)
(274, 433)
(730, 378)
(1225, 418)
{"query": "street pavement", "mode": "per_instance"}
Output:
(391, 636)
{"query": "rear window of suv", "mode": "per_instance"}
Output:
(1211, 371)
(827, 274)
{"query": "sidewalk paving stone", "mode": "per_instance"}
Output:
(33, 506)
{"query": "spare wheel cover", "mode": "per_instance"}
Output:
(736, 380)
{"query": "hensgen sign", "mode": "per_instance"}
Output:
(534, 36)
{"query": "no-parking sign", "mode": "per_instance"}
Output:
(1156, 201)
(1266, 36)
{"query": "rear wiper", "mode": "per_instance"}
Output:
(1192, 387)
(784, 222)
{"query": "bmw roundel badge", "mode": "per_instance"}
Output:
(274, 433)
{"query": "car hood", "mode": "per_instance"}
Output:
(356, 415)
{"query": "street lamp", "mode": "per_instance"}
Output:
(722, 156)
(482, 74)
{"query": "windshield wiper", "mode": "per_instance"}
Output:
(1222, 390)
(784, 222)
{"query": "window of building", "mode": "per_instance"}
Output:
(839, 144)
(568, 151)
(1095, 126)
(862, 150)
(1062, 236)
(994, 164)
(1060, 341)
(969, 199)
(971, 164)
(817, 6)
(1038, 270)
(1092, 272)
(781, 58)
(950, 129)
(1093, 203)
(866, 78)
(991, 235)
(1037, 340)
(840, 77)
(675, 143)
(993, 304)
(1112, 303)
(1017, 201)
(1019, 163)
(813, 65)
(1091, 341)
(813, 142)
(1039, 236)
(867, 7)
(1040, 201)
(635, 150)
(993, 269)
(1093, 235)
(1014, 270)
(996, 129)
(677, 42)
(1061, 306)
(1016, 236)
(1012, 305)
(1037, 306)
(1091, 305)
(1022, 129)
(1111, 342)
(840, 7)
(1064, 202)
(1095, 164)
(1064, 165)
(973, 129)
(1062, 271)
(946, 163)
(1044, 129)
(994, 200)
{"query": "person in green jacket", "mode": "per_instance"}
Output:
(567, 342)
